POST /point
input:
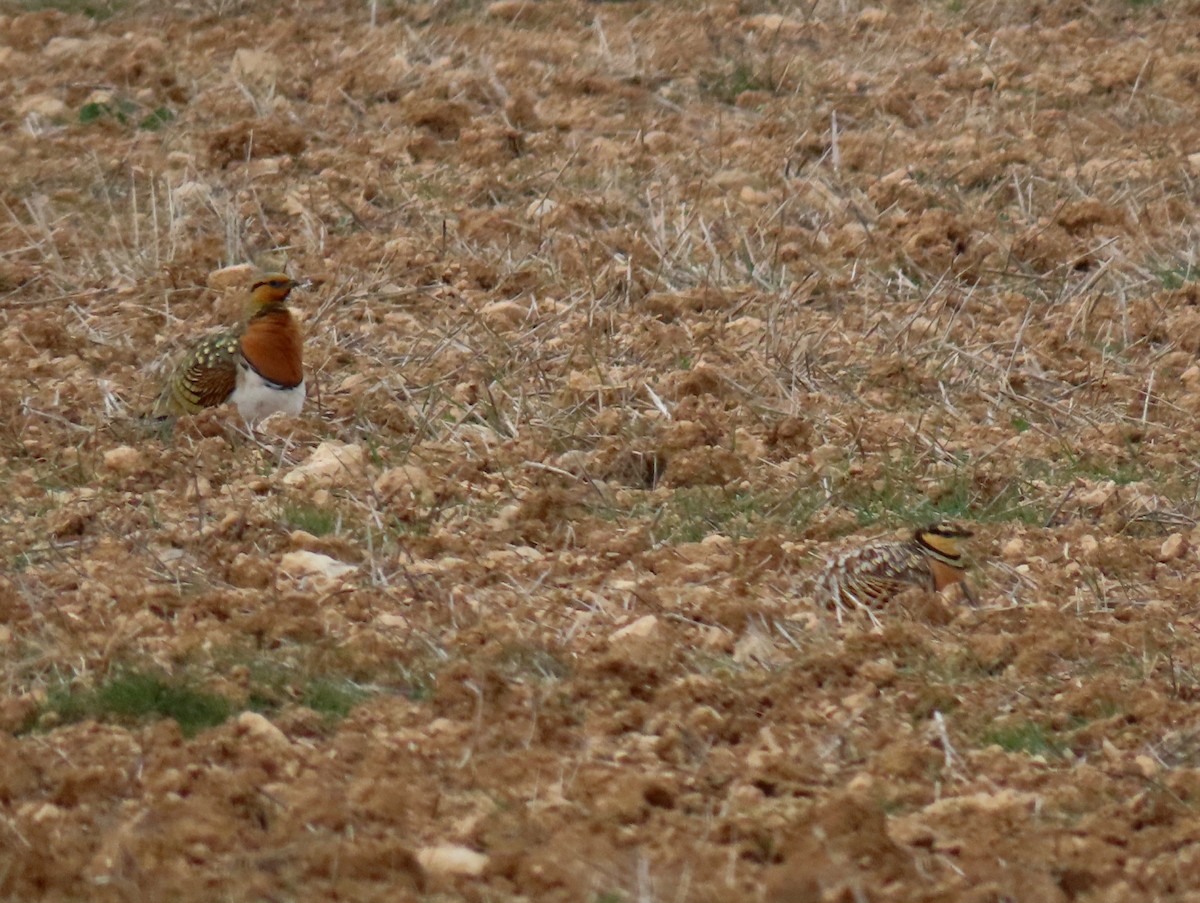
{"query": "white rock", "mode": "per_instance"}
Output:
(539, 208)
(502, 315)
(192, 193)
(407, 479)
(754, 646)
(1175, 546)
(43, 105)
(1013, 550)
(241, 275)
(255, 65)
(124, 459)
(61, 47)
(252, 724)
(644, 628)
(320, 572)
(452, 859)
(332, 464)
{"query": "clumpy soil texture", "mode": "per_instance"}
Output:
(624, 317)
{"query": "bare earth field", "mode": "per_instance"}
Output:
(625, 315)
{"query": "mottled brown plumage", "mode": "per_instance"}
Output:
(866, 577)
(258, 365)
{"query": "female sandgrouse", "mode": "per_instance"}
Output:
(867, 576)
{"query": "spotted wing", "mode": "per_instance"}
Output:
(203, 379)
(867, 577)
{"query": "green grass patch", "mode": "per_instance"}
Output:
(1025, 736)
(313, 679)
(127, 113)
(899, 496)
(726, 85)
(93, 9)
(1176, 277)
(311, 518)
(332, 697)
(522, 660)
(133, 696)
(695, 512)
(713, 664)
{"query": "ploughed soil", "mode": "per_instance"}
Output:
(624, 316)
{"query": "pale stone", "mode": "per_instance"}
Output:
(506, 517)
(331, 465)
(266, 166)
(302, 539)
(509, 9)
(61, 47)
(921, 327)
(753, 196)
(1110, 751)
(192, 192)
(1013, 550)
(255, 65)
(504, 315)
(754, 646)
(241, 274)
(1175, 546)
(351, 382)
(871, 17)
(728, 179)
(862, 784)
(745, 796)
(827, 454)
(984, 802)
(658, 142)
(43, 105)
(766, 21)
(452, 859)
(880, 672)
(539, 208)
(1099, 496)
(124, 459)
(319, 571)
(644, 628)
(1146, 766)
(252, 724)
(198, 487)
(408, 480)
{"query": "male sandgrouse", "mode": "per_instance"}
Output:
(866, 577)
(258, 365)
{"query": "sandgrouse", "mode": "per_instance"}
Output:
(258, 365)
(867, 576)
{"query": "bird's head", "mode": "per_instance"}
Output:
(269, 291)
(944, 536)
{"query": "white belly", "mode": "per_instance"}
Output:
(256, 398)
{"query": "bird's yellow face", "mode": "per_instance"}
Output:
(945, 537)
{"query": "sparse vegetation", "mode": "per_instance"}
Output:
(625, 318)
